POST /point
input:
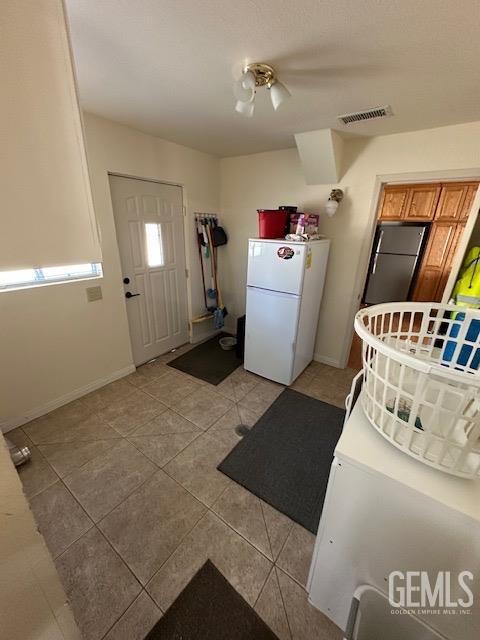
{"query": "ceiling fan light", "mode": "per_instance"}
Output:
(245, 108)
(244, 87)
(241, 93)
(248, 80)
(278, 94)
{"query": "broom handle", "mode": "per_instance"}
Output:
(198, 228)
(212, 261)
(214, 264)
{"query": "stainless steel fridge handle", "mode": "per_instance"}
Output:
(374, 268)
(380, 238)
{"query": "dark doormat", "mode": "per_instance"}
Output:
(285, 458)
(209, 608)
(208, 361)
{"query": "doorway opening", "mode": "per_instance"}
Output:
(151, 239)
(418, 231)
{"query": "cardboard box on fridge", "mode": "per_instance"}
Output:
(309, 222)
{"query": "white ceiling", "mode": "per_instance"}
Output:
(166, 66)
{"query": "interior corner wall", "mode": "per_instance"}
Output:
(53, 343)
(266, 180)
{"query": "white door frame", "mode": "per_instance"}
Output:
(457, 175)
(186, 234)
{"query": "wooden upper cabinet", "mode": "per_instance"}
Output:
(449, 202)
(422, 202)
(393, 202)
(467, 203)
(412, 203)
(456, 201)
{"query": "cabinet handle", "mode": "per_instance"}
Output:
(380, 238)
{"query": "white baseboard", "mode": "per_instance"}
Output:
(326, 360)
(231, 324)
(204, 336)
(14, 422)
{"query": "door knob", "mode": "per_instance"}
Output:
(131, 295)
(126, 281)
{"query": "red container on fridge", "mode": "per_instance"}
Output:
(272, 223)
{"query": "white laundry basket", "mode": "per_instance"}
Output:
(422, 381)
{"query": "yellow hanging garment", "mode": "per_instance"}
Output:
(466, 292)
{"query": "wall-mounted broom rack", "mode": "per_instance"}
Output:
(209, 237)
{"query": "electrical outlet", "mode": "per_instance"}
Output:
(94, 293)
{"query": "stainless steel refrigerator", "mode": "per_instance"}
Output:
(395, 257)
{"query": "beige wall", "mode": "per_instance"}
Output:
(270, 179)
(53, 344)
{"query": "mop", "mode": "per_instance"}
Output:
(200, 244)
(221, 311)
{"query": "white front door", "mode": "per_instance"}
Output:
(149, 223)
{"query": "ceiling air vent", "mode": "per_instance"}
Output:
(378, 112)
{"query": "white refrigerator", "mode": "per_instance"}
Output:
(284, 290)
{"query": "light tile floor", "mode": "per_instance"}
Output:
(124, 487)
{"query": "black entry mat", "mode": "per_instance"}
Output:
(208, 361)
(209, 608)
(285, 459)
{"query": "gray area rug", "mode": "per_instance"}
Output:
(209, 608)
(208, 361)
(285, 459)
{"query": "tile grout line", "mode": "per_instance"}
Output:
(285, 572)
(120, 558)
(115, 440)
(181, 540)
(128, 568)
(266, 528)
(123, 435)
(207, 508)
(201, 517)
(85, 512)
(197, 435)
(283, 601)
(241, 535)
(284, 544)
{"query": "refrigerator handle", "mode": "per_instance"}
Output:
(374, 267)
(380, 238)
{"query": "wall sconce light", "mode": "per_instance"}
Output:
(336, 196)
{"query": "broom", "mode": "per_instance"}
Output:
(221, 310)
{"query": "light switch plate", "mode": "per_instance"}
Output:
(94, 293)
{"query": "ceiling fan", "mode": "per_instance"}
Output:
(258, 74)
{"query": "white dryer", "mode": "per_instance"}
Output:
(385, 512)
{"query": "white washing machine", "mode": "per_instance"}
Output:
(385, 512)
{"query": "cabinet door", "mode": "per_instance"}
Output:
(467, 203)
(452, 198)
(422, 202)
(448, 262)
(393, 201)
(427, 285)
(434, 260)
